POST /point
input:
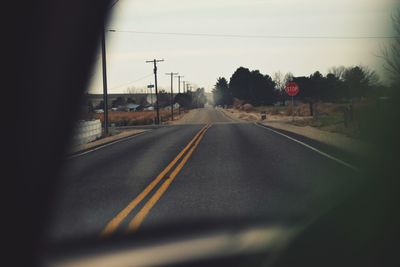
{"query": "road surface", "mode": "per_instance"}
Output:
(206, 115)
(207, 169)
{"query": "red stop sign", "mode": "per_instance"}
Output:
(292, 89)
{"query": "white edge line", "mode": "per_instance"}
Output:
(226, 116)
(107, 144)
(312, 148)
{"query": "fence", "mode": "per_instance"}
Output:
(87, 131)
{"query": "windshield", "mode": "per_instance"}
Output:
(204, 114)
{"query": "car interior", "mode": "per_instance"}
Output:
(50, 50)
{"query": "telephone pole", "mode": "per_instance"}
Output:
(172, 93)
(183, 86)
(104, 68)
(179, 91)
(179, 83)
(155, 61)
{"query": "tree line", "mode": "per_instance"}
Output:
(191, 99)
(340, 84)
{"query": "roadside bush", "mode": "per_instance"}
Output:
(237, 103)
(289, 111)
(274, 111)
(302, 110)
(247, 107)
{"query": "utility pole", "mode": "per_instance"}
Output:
(179, 83)
(183, 86)
(104, 64)
(155, 61)
(172, 93)
(179, 91)
(187, 87)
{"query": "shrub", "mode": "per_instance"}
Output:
(247, 107)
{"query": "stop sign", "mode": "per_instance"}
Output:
(292, 89)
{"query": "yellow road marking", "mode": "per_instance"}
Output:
(117, 220)
(138, 219)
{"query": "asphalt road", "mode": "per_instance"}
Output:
(229, 171)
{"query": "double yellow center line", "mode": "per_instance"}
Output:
(173, 168)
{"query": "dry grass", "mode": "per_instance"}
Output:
(330, 116)
(299, 110)
(121, 118)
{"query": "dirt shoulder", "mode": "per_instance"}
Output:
(183, 118)
(337, 140)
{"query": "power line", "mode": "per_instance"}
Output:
(139, 79)
(328, 37)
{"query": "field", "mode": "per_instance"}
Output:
(332, 117)
(121, 118)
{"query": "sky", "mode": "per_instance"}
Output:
(202, 59)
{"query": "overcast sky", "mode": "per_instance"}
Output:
(202, 59)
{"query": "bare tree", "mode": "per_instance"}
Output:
(391, 54)
(338, 72)
(288, 77)
(281, 81)
(371, 76)
(278, 78)
(131, 90)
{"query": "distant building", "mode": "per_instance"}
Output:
(176, 105)
(149, 108)
(139, 99)
(133, 107)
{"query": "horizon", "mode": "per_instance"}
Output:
(211, 39)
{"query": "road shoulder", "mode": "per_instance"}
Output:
(183, 118)
(335, 140)
(103, 141)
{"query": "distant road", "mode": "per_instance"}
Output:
(208, 168)
(205, 115)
